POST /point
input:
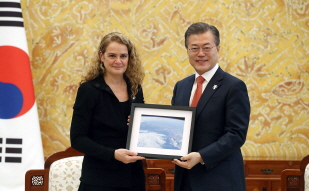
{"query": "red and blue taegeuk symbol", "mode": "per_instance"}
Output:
(16, 87)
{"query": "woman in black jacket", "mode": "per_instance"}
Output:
(99, 123)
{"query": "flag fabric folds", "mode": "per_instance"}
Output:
(20, 137)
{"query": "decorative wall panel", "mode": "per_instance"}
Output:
(263, 42)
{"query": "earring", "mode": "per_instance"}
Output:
(102, 66)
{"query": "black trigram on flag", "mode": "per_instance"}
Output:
(11, 150)
(11, 14)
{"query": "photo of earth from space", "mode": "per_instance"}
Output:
(161, 132)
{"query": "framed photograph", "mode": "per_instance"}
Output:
(160, 131)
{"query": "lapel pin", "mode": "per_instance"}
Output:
(214, 87)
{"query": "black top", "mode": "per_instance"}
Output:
(99, 127)
(125, 107)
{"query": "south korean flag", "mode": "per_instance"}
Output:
(20, 136)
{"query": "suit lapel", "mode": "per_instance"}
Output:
(188, 88)
(212, 86)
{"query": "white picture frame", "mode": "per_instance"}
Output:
(160, 131)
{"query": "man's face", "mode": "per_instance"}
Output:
(203, 52)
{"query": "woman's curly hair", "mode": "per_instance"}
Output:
(134, 71)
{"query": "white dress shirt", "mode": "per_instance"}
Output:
(207, 76)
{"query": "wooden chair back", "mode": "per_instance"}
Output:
(293, 179)
(37, 179)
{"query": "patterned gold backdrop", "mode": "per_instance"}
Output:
(264, 43)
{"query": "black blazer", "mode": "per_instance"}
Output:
(221, 124)
(98, 128)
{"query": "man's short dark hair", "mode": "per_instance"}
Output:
(200, 28)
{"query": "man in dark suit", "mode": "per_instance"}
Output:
(221, 122)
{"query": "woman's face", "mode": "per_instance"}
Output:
(115, 59)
